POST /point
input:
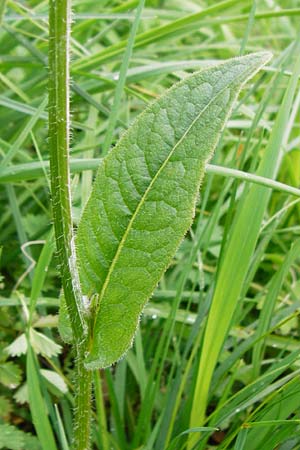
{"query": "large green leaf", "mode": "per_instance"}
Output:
(143, 200)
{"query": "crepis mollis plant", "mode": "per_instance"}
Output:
(143, 202)
(141, 205)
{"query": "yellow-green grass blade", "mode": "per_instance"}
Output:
(236, 260)
(177, 26)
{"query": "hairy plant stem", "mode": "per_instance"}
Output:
(83, 409)
(59, 32)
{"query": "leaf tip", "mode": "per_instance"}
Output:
(260, 59)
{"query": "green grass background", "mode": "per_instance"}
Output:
(221, 331)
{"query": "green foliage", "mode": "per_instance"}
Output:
(144, 198)
(14, 439)
(10, 374)
(239, 251)
(145, 400)
(37, 403)
(40, 343)
(6, 407)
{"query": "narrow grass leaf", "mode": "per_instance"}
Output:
(62, 434)
(241, 439)
(17, 216)
(276, 413)
(174, 445)
(23, 135)
(32, 170)
(255, 391)
(37, 404)
(31, 111)
(122, 79)
(100, 411)
(269, 304)
(179, 26)
(237, 258)
(41, 272)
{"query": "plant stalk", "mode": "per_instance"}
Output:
(83, 400)
(59, 130)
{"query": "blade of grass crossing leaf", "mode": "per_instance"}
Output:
(242, 348)
(37, 405)
(235, 263)
(28, 171)
(122, 79)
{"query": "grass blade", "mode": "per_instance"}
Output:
(236, 261)
(122, 79)
(37, 404)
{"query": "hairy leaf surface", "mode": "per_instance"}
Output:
(143, 200)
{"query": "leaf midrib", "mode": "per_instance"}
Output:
(143, 198)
